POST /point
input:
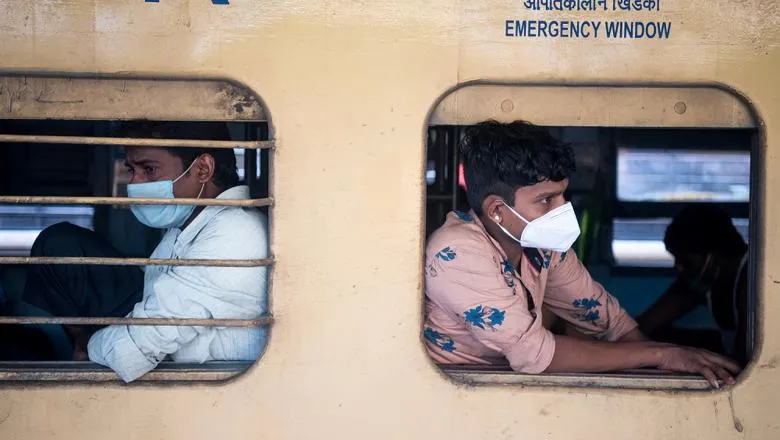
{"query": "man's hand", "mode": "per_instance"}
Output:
(695, 360)
(578, 356)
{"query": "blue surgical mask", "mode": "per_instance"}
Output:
(160, 216)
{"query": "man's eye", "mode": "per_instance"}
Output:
(546, 200)
(149, 170)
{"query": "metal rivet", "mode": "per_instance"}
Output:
(680, 107)
(507, 105)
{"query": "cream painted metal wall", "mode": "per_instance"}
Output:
(349, 86)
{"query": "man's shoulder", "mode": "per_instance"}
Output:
(460, 231)
(234, 232)
(240, 222)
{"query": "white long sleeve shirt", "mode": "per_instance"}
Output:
(218, 232)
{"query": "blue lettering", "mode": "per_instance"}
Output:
(628, 30)
(640, 30)
(581, 30)
(543, 28)
(613, 28)
(532, 29)
(555, 29)
(651, 30)
(521, 28)
(664, 30)
(566, 29)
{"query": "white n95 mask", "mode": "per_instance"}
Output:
(555, 231)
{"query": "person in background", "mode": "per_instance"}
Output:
(489, 272)
(213, 232)
(711, 260)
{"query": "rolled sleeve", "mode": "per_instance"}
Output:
(113, 347)
(467, 283)
(574, 296)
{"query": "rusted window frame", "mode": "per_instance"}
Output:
(243, 107)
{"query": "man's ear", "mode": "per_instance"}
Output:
(204, 168)
(492, 207)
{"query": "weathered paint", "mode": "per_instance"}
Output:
(349, 87)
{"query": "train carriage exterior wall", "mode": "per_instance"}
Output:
(350, 87)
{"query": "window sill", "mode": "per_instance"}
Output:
(648, 379)
(91, 372)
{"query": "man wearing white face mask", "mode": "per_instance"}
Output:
(213, 232)
(490, 272)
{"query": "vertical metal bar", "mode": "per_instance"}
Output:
(452, 145)
(250, 167)
(441, 160)
(754, 234)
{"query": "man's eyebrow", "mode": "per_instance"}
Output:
(140, 162)
(544, 195)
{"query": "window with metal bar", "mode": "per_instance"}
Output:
(68, 165)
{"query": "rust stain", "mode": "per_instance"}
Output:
(737, 422)
(770, 365)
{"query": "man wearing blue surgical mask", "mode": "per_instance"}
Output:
(490, 274)
(202, 232)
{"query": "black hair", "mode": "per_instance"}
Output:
(702, 229)
(499, 158)
(225, 171)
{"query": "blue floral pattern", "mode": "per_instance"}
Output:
(484, 317)
(547, 258)
(446, 254)
(508, 270)
(464, 216)
(438, 339)
(588, 309)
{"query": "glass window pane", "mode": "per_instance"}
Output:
(640, 242)
(21, 224)
(660, 175)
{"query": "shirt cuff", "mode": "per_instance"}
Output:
(620, 328)
(114, 348)
(533, 353)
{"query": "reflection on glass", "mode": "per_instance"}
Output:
(660, 175)
(21, 224)
(640, 242)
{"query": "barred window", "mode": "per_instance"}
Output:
(91, 266)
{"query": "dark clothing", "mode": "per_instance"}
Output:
(81, 290)
(23, 343)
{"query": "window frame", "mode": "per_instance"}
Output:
(481, 100)
(119, 98)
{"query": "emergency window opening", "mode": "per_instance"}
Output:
(67, 193)
(632, 178)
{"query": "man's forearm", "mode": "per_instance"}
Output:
(579, 356)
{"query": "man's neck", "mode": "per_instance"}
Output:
(209, 192)
(512, 249)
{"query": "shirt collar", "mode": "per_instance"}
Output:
(192, 230)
